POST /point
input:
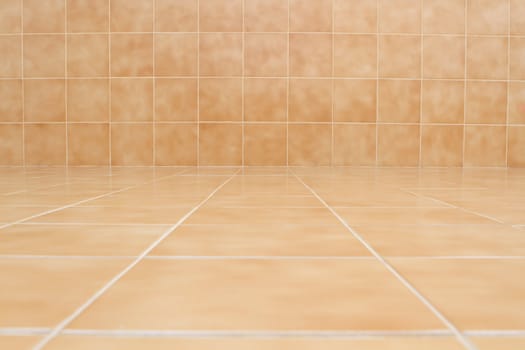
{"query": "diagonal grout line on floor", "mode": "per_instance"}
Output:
(454, 206)
(85, 201)
(460, 336)
(62, 325)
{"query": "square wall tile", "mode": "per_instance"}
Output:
(10, 16)
(176, 99)
(488, 16)
(220, 144)
(517, 58)
(309, 144)
(176, 144)
(399, 56)
(444, 16)
(88, 144)
(444, 57)
(131, 54)
(486, 102)
(88, 100)
(400, 16)
(11, 100)
(11, 145)
(516, 103)
(354, 144)
(45, 100)
(516, 155)
(45, 144)
(220, 54)
(11, 53)
(398, 145)
(221, 15)
(44, 56)
(355, 100)
(355, 55)
(310, 100)
(442, 146)
(132, 100)
(310, 16)
(88, 55)
(87, 16)
(517, 20)
(485, 145)
(132, 144)
(176, 54)
(311, 55)
(266, 55)
(399, 101)
(487, 58)
(265, 99)
(132, 15)
(176, 16)
(220, 99)
(266, 15)
(355, 16)
(265, 144)
(44, 16)
(443, 101)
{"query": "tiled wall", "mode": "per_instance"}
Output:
(262, 82)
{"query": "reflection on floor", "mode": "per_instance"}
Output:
(262, 258)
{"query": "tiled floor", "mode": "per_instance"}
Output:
(262, 258)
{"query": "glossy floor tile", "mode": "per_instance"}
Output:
(262, 258)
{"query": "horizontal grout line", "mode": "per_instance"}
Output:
(25, 331)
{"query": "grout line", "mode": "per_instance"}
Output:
(23, 331)
(198, 82)
(79, 202)
(460, 337)
(507, 117)
(154, 82)
(465, 78)
(288, 83)
(22, 83)
(64, 323)
(243, 72)
(421, 64)
(332, 91)
(110, 85)
(66, 38)
(377, 82)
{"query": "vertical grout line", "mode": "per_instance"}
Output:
(465, 75)
(22, 83)
(243, 59)
(421, 61)
(332, 87)
(109, 86)
(287, 81)
(507, 119)
(154, 116)
(198, 81)
(66, 38)
(378, 4)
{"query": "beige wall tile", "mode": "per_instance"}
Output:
(444, 57)
(88, 144)
(132, 15)
(131, 100)
(265, 99)
(265, 16)
(309, 144)
(44, 16)
(220, 15)
(11, 53)
(443, 101)
(45, 100)
(517, 58)
(265, 55)
(354, 144)
(131, 54)
(355, 16)
(176, 99)
(399, 101)
(12, 144)
(176, 15)
(10, 16)
(11, 100)
(44, 56)
(487, 58)
(310, 100)
(355, 55)
(88, 100)
(442, 146)
(486, 102)
(220, 144)
(355, 100)
(132, 144)
(85, 16)
(399, 56)
(176, 144)
(311, 55)
(45, 144)
(399, 16)
(310, 16)
(443, 16)
(485, 145)
(517, 20)
(88, 55)
(516, 155)
(265, 144)
(398, 145)
(488, 16)
(176, 54)
(516, 103)
(220, 99)
(220, 54)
